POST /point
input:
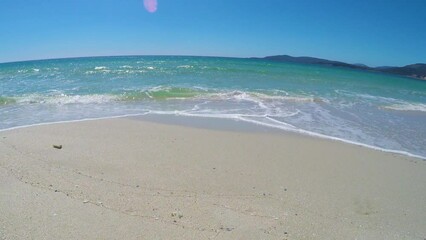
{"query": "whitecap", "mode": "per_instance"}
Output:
(126, 66)
(101, 68)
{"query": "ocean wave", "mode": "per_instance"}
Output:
(185, 66)
(30, 70)
(366, 96)
(159, 93)
(418, 107)
(124, 71)
(101, 68)
(126, 66)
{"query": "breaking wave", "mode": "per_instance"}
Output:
(159, 93)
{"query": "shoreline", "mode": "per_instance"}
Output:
(164, 118)
(137, 179)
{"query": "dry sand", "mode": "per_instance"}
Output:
(132, 179)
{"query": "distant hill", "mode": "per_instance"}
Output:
(414, 70)
(361, 65)
(417, 71)
(310, 60)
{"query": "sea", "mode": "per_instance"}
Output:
(371, 109)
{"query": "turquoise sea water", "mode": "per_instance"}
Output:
(378, 110)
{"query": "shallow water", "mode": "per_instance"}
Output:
(379, 110)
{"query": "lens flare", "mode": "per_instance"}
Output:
(150, 5)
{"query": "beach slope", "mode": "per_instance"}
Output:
(131, 179)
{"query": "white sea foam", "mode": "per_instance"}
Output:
(100, 69)
(261, 98)
(292, 98)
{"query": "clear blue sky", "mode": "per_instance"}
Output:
(374, 32)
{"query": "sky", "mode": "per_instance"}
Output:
(373, 32)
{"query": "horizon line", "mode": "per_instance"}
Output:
(126, 55)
